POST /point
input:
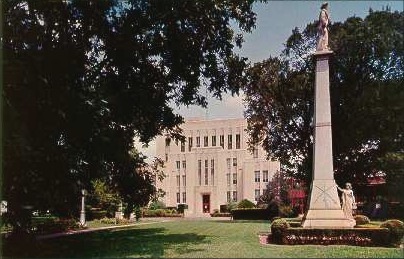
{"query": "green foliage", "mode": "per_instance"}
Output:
(120, 67)
(246, 204)
(104, 198)
(366, 78)
(286, 211)
(157, 205)
(231, 206)
(361, 220)
(278, 227)
(396, 228)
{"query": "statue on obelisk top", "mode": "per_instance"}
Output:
(323, 18)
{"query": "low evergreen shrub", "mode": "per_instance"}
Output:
(278, 228)
(245, 204)
(361, 220)
(396, 229)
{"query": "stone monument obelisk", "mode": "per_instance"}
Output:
(324, 205)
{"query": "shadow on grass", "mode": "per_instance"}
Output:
(150, 242)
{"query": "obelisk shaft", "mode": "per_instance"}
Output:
(324, 204)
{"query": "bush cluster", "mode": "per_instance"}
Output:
(245, 204)
(161, 213)
(278, 227)
(396, 229)
(361, 220)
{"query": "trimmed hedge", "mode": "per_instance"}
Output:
(218, 214)
(252, 214)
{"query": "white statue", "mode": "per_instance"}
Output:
(348, 200)
(322, 43)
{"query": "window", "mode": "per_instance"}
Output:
(182, 146)
(265, 176)
(184, 180)
(228, 178)
(213, 141)
(199, 171)
(221, 139)
(257, 194)
(235, 161)
(228, 196)
(228, 162)
(206, 172)
(255, 152)
(234, 195)
(189, 143)
(168, 140)
(234, 178)
(229, 141)
(184, 197)
(212, 171)
(257, 176)
(237, 141)
(184, 164)
(166, 157)
(205, 141)
(178, 180)
(198, 141)
(178, 197)
(178, 165)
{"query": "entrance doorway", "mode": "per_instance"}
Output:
(206, 203)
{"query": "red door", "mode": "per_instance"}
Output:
(206, 203)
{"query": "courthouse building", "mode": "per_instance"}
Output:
(213, 166)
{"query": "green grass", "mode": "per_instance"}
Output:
(186, 239)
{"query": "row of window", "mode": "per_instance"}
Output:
(206, 172)
(230, 198)
(184, 180)
(213, 142)
(184, 197)
(257, 176)
(228, 177)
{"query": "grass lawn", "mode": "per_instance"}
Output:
(184, 238)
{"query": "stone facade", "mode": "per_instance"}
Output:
(213, 166)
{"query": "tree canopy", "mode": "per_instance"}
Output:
(367, 93)
(82, 79)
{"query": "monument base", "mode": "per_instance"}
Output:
(324, 207)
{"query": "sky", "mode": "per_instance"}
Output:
(275, 22)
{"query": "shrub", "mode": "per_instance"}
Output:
(278, 227)
(396, 229)
(361, 220)
(157, 205)
(108, 220)
(246, 204)
(286, 211)
(231, 206)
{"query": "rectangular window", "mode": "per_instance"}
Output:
(200, 172)
(205, 141)
(234, 178)
(168, 140)
(212, 171)
(257, 194)
(184, 164)
(221, 139)
(178, 197)
(184, 197)
(189, 143)
(235, 161)
(228, 196)
(166, 157)
(265, 176)
(234, 196)
(206, 172)
(182, 146)
(228, 161)
(178, 163)
(255, 152)
(213, 141)
(229, 142)
(228, 178)
(198, 141)
(257, 176)
(238, 141)
(184, 180)
(178, 180)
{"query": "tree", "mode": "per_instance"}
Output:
(83, 78)
(366, 80)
